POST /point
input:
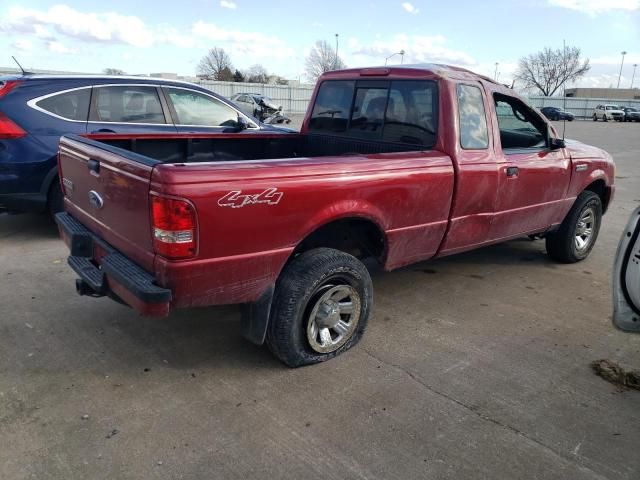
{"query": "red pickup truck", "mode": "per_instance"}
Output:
(397, 164)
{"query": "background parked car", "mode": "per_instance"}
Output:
(35, 110)
(631, 114)
(555, 113)
(257, 105)
(606, 112)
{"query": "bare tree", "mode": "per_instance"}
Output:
(321, 59)
(113, 71)
(549, 69)
(257, 74)
(215, 64)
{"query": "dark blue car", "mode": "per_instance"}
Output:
(35, 110)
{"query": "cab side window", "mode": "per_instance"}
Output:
(473, 121)
(520, 127)
(127, 104)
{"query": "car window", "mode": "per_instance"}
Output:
(127, 104)
(333, 104)
(73, 105)
(473, 121)
(367, 117)
(195, 108)
(519, 126)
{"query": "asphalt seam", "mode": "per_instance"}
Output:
(483, 416)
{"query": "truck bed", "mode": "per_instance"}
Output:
(192, 148)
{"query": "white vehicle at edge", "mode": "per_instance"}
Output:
(626, 277)
(608, 111)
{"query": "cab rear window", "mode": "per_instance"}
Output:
(399, 111)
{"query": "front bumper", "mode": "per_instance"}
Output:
(105, 271)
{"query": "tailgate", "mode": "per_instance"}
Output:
(107, 190)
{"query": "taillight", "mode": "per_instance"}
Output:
(174, 227)
(9, 129)
(6, 87)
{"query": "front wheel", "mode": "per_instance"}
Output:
(604, 118)
(320, 308)
(576, 236)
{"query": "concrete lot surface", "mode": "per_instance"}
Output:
(474, 366)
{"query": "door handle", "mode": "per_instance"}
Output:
(512, 171)
(94, 166)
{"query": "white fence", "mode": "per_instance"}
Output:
(580, 107)
(293, 98)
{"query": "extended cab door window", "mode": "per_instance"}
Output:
(520, 128)
(473, 121)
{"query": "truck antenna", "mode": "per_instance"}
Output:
(564, 90)
(24, 72)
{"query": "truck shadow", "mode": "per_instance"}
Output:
(27, 227)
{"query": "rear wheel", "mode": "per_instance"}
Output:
(595, 117)
(576, 236)
(55, 200)
(320, 308)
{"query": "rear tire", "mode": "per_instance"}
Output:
(55, 199)
(578, 232)
(595, 117)
(320, 308)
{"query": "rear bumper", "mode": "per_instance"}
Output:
(105, 271)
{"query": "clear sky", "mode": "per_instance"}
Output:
(146, 36)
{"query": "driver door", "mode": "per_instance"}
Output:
(533, 179)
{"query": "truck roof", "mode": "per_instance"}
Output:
(436, 69)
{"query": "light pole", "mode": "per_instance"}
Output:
(495, 73)
(635, 65)
(621, 64)
(401, 53)
(335, 61)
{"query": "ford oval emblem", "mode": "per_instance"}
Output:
(95, 199)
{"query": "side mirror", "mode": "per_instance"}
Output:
(557, 143)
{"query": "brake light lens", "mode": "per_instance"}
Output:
(174, 227)
(6, 87)
(9, 129)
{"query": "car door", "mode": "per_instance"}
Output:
(197, 112)
(128, 109)
(533, 178)
(245, 103)
(626, 277)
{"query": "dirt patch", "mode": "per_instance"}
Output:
(614, 373)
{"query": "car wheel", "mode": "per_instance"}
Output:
(320, 308)
(604, 118)
(578, 232)
(55, 199)
(595, 117)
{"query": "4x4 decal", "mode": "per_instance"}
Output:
(236, 199)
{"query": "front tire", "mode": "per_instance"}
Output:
(320, 308)
(604, 118)
(578, 232)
